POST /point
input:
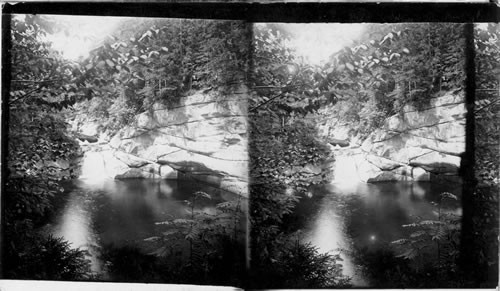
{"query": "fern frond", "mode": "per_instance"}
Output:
(400, 241)
(153, 238)
(167, 222)
(171, 232)
(408, 254)
(193, 233)
(424, 223)
(439, 233)
(418, 234)
(182, 221)
(448, 195)
(201, 194)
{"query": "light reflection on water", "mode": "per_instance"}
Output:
(326, 234)
(75, 226)
(367, 215)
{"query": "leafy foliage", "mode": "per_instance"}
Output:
(487, 109)
(214, 244)
(302, 88)
(301, 266)
(160, 60)
(40, 153)
(281, 159)
(487, 104)
(285, 160)
(444, 232)
(406, 65)
(433, 245)
(37, 257)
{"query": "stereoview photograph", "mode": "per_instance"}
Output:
(251, 155)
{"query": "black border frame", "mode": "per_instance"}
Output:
(251, 12)
(273, 12)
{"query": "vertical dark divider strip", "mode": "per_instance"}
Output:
(248, 78)
(468, 246)
(6, 77)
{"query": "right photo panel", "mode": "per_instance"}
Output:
(358, 154)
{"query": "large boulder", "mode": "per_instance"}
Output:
(204, 136)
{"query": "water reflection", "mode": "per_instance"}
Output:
(124, 213)
(367, 215)
(326, 233)
(75, 225)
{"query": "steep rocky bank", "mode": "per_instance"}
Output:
(414, 145)
(203, 136)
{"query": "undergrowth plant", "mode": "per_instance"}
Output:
(437, 238)
(203, 240)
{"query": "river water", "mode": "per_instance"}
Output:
(99, 211)
(349, 215)
(344, 215)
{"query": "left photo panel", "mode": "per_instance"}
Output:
(126, 156)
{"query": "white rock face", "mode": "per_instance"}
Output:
(416, 145)
(205, 135)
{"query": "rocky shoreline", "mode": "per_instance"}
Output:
(413, 145)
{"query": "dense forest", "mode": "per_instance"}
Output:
(158, 61)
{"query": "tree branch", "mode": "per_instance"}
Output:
(265, 102)
(25, 95)
(486, 106)
(274, 97)
(32, 91)
(268, 87)
(33, 81)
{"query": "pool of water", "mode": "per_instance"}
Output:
(99, 211)
(367, 216)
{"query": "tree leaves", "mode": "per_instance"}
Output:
(110, 63)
